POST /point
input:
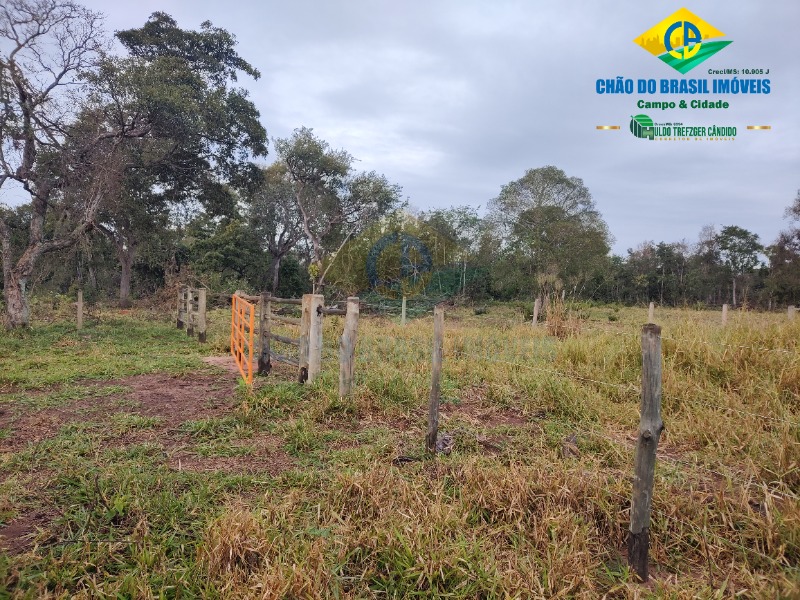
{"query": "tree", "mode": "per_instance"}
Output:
(202, 132)
(334, 202)
(548, 225)
(784, 258)
(459, 230)
(227, 248)
(276, 217)
(65, 162)
(739, 250)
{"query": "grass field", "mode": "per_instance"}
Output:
(129, 468)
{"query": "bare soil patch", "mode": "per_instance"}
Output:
(474, 407)
(482, 416)
(279, 371)
(274, 462)
(17, 536)
(173, 399)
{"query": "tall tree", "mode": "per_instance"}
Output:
(784, 258)
(276, 217)
(548, 225)
(334, 201)
(203, 132)
(739, 250)
(65, 161)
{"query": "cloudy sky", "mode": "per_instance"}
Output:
(453, 99)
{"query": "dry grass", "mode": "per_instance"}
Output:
(530, 520)
(534, 500)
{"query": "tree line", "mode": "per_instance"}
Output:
(134, 171)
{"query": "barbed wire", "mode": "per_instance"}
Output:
(551, 371)
(704, 342)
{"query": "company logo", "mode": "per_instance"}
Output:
(643, 127)
(399, 264)
(683, 40)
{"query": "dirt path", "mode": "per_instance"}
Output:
(169, 401)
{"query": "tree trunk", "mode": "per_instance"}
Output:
(126, 264)
(275, 271)
(734, 291)
(17, 308)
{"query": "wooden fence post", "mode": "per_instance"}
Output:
(264, 326)
(537, 306)
(650, 428)
(181, 307)
(790, 312)
(433, 405)
(403, 312)
(651, 312)
(305, 325)
(347, 348)
(80, 309)
(190, 312)
(724, 314)
(315, 337)
(201, 315)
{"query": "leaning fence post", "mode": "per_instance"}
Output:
(315, 337)
(264, 363)
(181, 307)
(347, 348)
(724, 314)
(651, 311)
(790, 312)
(201, 315)
(537, 306)
(650, 428)
(80, 309)
(433, 405)
(403, 312)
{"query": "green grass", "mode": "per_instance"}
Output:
(57, 353)
(517, 510)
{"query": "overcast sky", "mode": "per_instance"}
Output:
(453, 99)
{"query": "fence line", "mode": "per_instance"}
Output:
(705, 343)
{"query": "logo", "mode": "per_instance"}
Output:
(399, 264)
(642, 127)
(683, 40)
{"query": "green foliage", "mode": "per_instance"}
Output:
(546, 223)
(739, 249)
(337, 202)
(227, 247)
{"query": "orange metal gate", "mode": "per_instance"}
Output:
(242, 326)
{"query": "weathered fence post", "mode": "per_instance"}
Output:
(347, 348)
(80, 309)
(264, 362)
(790, 312)
(315, 337)
(305, 325)
(537, 306)
(650, 428)
(201, 315)
(403, 312)
(651, 312)
(724, 314)
(181, 307)
(433, 406)
(190, 312)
